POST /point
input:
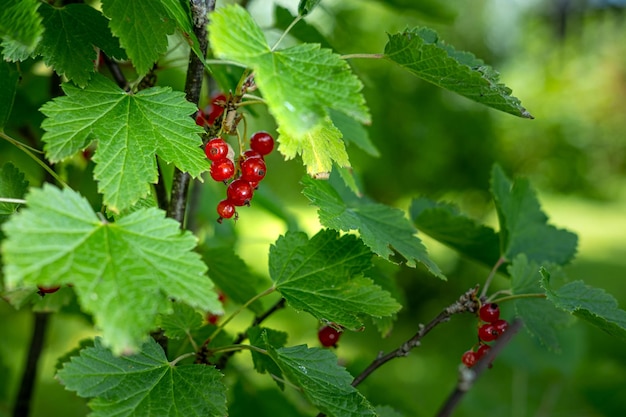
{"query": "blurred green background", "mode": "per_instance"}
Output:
(566, 61)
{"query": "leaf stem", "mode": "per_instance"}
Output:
(491, 275)
(12, 200)
(27, 150)
(239, 310)
(518, 296)
(291, 25)
(182, 357)
(235, 348)
(362, 56)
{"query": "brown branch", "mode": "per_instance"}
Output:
(467, 377)
(116, 72)
(193, 86)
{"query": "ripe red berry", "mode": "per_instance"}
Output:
(222, 169)
(481, 351)
(489, 312)
(212, 318)
(262, 142)
(253, 169)
(250, 154)
(215, 110)
(239, 192)
(47, 290)
(469, 358)
(225, 209)
(328, 336)
(216, 149)
(500, 326)
(200, 118)
(488, 332)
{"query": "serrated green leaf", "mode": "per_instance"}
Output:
(124, 273)
(130, 130)
(301, 31)
(143, 384)
(306, 6)
(323, 276)
(71, 34)
(20, 28)
(300, 84)
(525, 279)
(9, 78)
(231, 274)
(323, 382)
(142, 28)
(13, 184)
(444, 223)
(263, 338)
(384, 229)
(421, 52)
(181, 322)
(523, 226)
(593, 305)
(353, 132)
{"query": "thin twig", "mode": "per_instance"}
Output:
(24, 395)
(193, 86)
(12, 200)
(116, 72)
(467, 377)
(492, 274)
(362, 56)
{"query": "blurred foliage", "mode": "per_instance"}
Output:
(566, 61)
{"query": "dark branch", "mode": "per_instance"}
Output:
(24, 395)
(467, 377)
(193, 86)
(116, 72)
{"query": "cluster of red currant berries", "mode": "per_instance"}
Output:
(491, 328)
(251, 170)
(328, 336)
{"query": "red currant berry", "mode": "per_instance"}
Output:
(239, 192)
(200, 118)
(501, 326)
(225, 209)
(481, 351)
(253, 169)
(328, 336)
(221, 297)
(47, 290)
(215, 110)
(489, 312)
(488, 332)
(216, 149)
(262, 142)
(212, 318)
(254, 185)
(469, 358)
(250, 154)
(222, 169)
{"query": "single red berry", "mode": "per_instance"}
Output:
(47, 290)
(481, 351)
(215, 110)
(212, 318)
(200, 118)
(216, 149)
(501, 326)
(262, 142)
(253, 169)
(469, 358)
(254, 185)
(222, 169)
(221, 297)
(328, 336)
(488, 332)
(489, 312)
(239, 192)
(225, 209)
(250, 154)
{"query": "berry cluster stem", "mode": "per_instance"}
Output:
(492, 274)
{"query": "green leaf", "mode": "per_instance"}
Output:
(142, 28)
(384, 229)
(231, 275)
(124, 273)
(143, 384)
(444, 223)
(353, 132)
(323, 276)
(593, 305)
(20, 28)
(9, 79)
(386, 411)
(71, 34)
(179, 11)
(181, 322)
(523, 226)
(306, 6)
(300, 85)
(264, 338)
(13, 184)
(323, 382)
(130, 130)
(301, 31)
(525, 279)
(422, 53)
